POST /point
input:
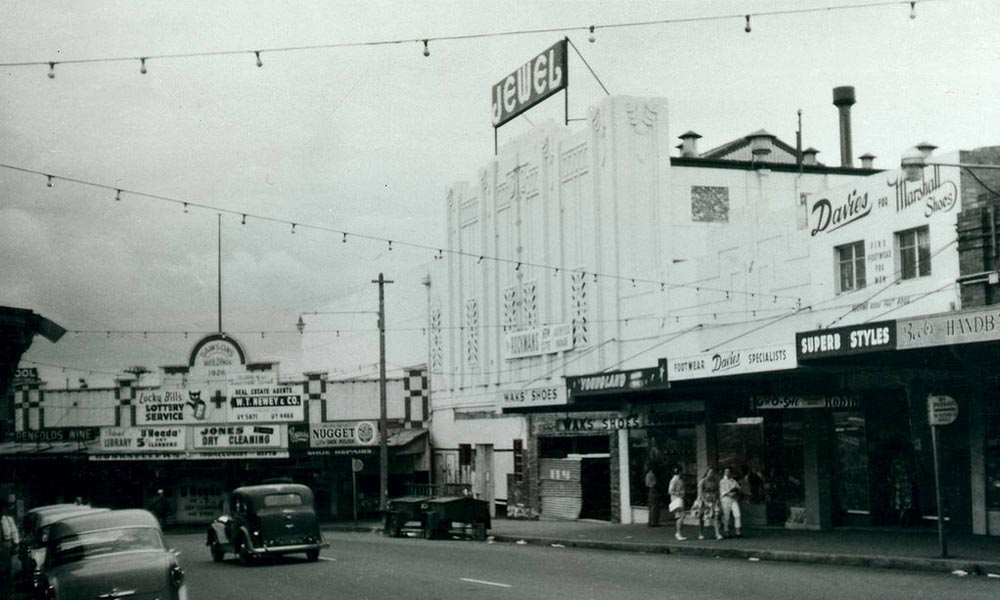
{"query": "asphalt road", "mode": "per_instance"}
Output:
(370, 566)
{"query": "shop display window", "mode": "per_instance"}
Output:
(850, 464)
(676, 445)
(991, 455)
(741, 449)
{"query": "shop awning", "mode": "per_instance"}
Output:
(407, 441)
(45, 449)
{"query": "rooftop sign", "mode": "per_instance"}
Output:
(532, 82)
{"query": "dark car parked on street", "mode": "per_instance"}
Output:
(110, 554)
(267, 520)
(34, 542)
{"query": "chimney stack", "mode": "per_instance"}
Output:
(690, 146)
(843, 99)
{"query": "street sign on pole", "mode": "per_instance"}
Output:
(357, 465)
(941, 410)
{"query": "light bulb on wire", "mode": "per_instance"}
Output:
(592, 38)
(142, 66)
(260, 63)
(747, 28)
(118, 195)
(52, 70)
(913, 10)
(427, 51)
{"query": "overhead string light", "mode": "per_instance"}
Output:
(592, 38)
(118, 195)
(747, 28)
(293, 228)
(427, 51)
(142, 66)
(49, 182)
(243, 221)
(260, 63)
(913, 10)
(52, 70)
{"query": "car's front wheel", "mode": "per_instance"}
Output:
(218, 554)
(312, 555)
(243, 550)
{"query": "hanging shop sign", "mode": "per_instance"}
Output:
(538, 341)
(343, 433)
(266, 403)
(845, 341)
(57, 434)
(837, 402)
(532, 82)
(228, 437)
(138, 439)
(732, 362)
(180, 405)
(963, 327)
(618, 381)
(547, 395)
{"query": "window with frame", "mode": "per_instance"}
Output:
(913, 247)
(850, 266)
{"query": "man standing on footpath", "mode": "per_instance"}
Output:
(10, 538)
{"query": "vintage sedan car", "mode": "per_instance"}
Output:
(34, 543)
(267, 520)
(111, 554)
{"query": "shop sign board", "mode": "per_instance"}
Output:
(143, 456)
(538, 341)
(836, 402)
(139, 439)
(216, 356)
(230, 437)
(198, 500)
(674, 414)
(266, 403)
(941, 410)
(962, 327)
(534, 81)
(57, 434)
(179, 406)
(846, 341)
(617, 381)
(25, 374)
(237, 454)
(732, 362)
(343, 433)
(548, 395)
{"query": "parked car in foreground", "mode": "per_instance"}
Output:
(35, 541)
(267, 520)
(111, 554)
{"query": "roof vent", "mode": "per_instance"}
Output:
(867, 161)
(761, 144)
(809, 156)
(926, 148)
(690, 146)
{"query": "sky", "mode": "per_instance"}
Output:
(367, 138)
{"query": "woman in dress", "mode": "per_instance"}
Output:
(676, 490)
(708, 507)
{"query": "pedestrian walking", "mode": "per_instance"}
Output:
(10, 539)
(707, 505)
(676, 507)
(729, 490)
(653, 467)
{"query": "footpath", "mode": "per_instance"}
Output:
(889, 548)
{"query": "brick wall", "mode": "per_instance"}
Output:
(979, 226)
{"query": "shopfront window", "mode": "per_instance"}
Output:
(741, 449)
(676, 446)
(992, 455)
(850, 465)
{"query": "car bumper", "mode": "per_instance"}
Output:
(264, 551)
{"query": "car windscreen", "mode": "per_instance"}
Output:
(279, 500)
(108, 541)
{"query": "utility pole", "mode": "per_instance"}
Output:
(383, 483)
(219, 269)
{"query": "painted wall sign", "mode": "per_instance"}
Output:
(266, 403)
(532, 82)
(140, 439)
(963, 327)
(227, 437)
(617, 381)
(58, 434)
(198, 500)
(25, 374)
(845, 341)
(547, 339)
(548, 395)
(832, 214)
(177, 405)
(343, 433)
(731, 362)
(840, 402)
